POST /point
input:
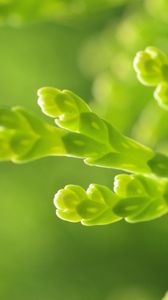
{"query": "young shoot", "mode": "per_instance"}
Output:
(78, 132)
(151, 66)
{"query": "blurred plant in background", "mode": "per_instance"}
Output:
(17, 11)
(107, 59)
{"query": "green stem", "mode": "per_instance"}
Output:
(81, 133)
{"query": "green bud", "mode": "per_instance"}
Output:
(161, 95)
(104, 200)
(128, 185)
(102, 194)
(66, 202)
(151, 66)
(93, 207)
(138, 198)
(72, 113)
(64, 105)
(143, 198)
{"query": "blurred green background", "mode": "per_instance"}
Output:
(88, 47)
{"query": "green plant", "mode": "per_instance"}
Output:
(151, 66)
(16, 12)
(80, 133)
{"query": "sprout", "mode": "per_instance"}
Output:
(150, 66)
(136, 198)
(93, 207)
(90, 137)
(64, 106)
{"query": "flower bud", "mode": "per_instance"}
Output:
(151, 66)
(63, 105)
